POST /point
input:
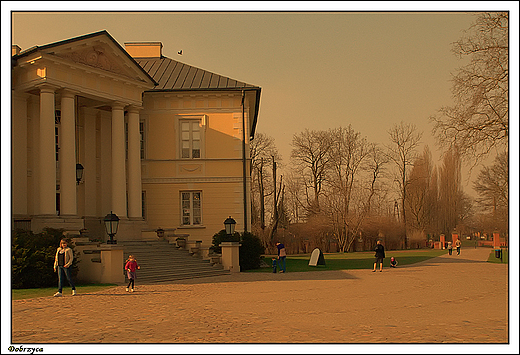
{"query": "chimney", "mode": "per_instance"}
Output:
(15, 50)
(144, 49)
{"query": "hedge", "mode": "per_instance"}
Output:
(32, 258)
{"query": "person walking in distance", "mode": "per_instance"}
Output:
(281, 256)
(62, 264)
(131, 268)
(450, 248)
(458, 245)
(380, 255)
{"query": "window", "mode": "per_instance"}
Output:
(141, 138)
(191, 208)
(190, 139)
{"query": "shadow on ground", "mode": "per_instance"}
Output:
(256, 276)
(454, 259)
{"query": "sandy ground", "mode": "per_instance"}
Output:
(449, 299)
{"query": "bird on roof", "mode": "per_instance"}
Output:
(179, 52)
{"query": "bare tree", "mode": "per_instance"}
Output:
(478, 122)
(278, 194)
(492, 186)
(309, 151)
(453, 202)
(262, 151)
(420, 202)
(295, 197)
(404, 140)
(347, 152)
(375, 165)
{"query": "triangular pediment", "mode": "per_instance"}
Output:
(96, 56)
(99, 51)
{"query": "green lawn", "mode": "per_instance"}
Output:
(358, 260)
(505, 257)
(48, 292)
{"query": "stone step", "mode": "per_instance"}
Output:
(163, 262)
(166, 269)
(177, 277)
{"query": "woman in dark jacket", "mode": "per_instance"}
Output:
(380, 255)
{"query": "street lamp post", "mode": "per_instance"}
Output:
(230, 247)
(230, 223)
(111, 223)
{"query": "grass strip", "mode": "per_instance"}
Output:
(349, 261)
(18, 294)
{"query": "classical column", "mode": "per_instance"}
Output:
(19, 154)
(68, 204)
(47, 154)
(134, 164)
(89, 162)
(118, 161)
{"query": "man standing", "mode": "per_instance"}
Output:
(380, 255)
(281, 256)
(458, 244)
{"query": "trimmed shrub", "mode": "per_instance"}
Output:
(223, 237)
(32, 258)
(250, 252)
(251, 249)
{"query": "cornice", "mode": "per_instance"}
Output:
(192, 180)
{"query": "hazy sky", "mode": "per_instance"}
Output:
(317, 70)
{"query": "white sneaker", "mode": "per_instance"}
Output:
(73, 292)
(131, 290)
(127, 289)
(58, 294)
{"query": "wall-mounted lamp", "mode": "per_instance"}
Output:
(79, 173)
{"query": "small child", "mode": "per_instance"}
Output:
(131, 268)
(393, 262)
(274, 265)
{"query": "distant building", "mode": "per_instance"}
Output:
(161, 143)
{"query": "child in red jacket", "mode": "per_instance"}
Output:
(131, 268)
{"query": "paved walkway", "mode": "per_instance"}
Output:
(449, 299)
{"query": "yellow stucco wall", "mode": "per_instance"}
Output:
(217, 174)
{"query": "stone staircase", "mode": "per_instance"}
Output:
(164, 262)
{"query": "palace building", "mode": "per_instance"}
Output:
(99, 129)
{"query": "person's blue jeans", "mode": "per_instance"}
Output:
(64, 272)
(281, 263)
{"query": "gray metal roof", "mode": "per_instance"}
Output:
(173, 75)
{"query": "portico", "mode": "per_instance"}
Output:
(77, 101)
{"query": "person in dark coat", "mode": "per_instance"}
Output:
(281, 256)
(380, 255)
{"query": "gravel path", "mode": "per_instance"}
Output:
(448, 299)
